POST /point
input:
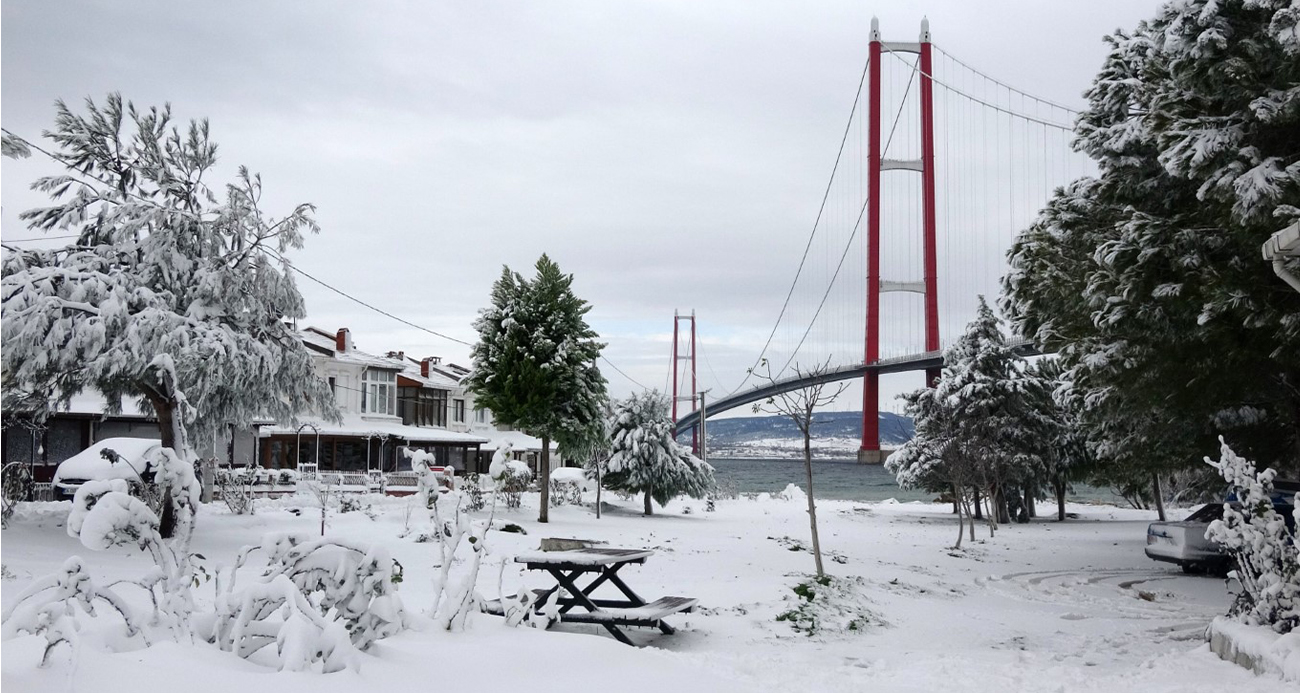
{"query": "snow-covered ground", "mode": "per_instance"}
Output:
(1072, 606)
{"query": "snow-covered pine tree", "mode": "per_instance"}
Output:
(1147, 278)
(984, 393)
(170, 293)
(931, 459)
(535, 364)
(645, 456)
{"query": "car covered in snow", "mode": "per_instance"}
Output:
(132, 459)
(1185, 544)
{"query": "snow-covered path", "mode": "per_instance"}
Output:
(1072, 606)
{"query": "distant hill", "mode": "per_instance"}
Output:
(836, 434)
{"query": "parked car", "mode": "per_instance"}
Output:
(111, 458)
(1185, 544)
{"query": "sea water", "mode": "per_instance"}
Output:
(842, 479)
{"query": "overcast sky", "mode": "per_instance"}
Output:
(670, 155)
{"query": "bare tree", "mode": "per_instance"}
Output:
(798, 405)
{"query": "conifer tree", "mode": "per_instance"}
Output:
(535, 364)
(1147, 279)
(645, 457)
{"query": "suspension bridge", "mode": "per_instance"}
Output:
(939, 167)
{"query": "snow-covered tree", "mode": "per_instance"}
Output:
(1263, 546)
(535, 364)
(1147, 279)
(175, 291)
(645, 456)
(979, 425)
(800, 407)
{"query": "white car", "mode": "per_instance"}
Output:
(132, 459)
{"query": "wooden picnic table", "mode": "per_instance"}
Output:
(596, 567)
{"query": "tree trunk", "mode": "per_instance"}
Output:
(544, 472)
(1001, 506)
(956, 504)
(1031, 504)
(812, 504)
(1159, 495)
(1060, 499)
(165, 413)
(979, 510)
(649, 509)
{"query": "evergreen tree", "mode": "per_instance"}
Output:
(169, 294)
(535, 364)
(646, 458)
(1147, 279)
(978, 425)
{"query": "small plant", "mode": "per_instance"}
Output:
(18, 485)
(828, 605)
(352, 503)
(473, 492)
(236, 489)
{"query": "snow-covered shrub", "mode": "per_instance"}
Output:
(49, 607)
(471, 487)
(1268, 562)
(565, 492)
(830, 605)
(509, 477)
(236, 489)
(104, 514)
(319, 601)
(452, 603)
(16, 484)
(646, 458)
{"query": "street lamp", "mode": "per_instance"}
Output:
(1280, 246)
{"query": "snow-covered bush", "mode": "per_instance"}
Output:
(16, 484)
(830, 605)
(509, 477)
(319, 602)
(1268, 562)
(452, 603)
(236, 489)
(49, 607)
(472, 488)
(646, 458)
(565, 492)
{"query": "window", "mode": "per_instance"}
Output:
(420, 406)
(480, 416)
(334, 387)
(379, 392)
(458, 410)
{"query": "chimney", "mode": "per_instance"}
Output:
(424, 366)
(343, 341)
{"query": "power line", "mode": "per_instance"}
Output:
(45, 238)
(620, 372)
(287, 263)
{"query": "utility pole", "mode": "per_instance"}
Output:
(704, 427)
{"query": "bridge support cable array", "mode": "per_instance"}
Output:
(938, 169)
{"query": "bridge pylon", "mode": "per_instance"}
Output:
(869, 451)
(688, 355)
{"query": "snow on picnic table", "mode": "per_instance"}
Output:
(1072, 606)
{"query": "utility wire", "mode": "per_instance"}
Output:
(286, 262)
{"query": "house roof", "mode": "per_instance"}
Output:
(322, 342)
(355, 426)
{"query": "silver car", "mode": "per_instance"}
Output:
(1184, 542)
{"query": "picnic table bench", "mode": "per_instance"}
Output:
(601, 566)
